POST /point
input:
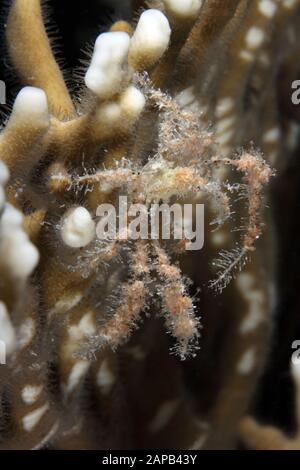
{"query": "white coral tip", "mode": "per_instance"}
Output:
(17, 252)
(23, 255)
(108, 66)
(78, 228)
(132, 101)
(4, 173)
(150, 39)
(12, 219)
(111, 47)
(184, 8)
(7, 332)
(2, 198)
(33, 103)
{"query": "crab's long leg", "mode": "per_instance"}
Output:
(133, 298)
(177, 305)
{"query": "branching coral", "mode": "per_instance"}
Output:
(259, 437)
(140, 129)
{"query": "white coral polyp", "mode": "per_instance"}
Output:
(2, 198)
(108, 67)
(17, 253)
(110, 113)
(32, 103)
(22, 253)
(150, 39)
(11, 219)
(78, 228)
(4, 176)
(7, 332)
(132, 102)
(129, 105)
(4, 173)
(184, 8)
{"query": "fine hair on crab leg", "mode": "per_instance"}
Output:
(256, 173)
(133, 298)
(177, 305)
(116, 330)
